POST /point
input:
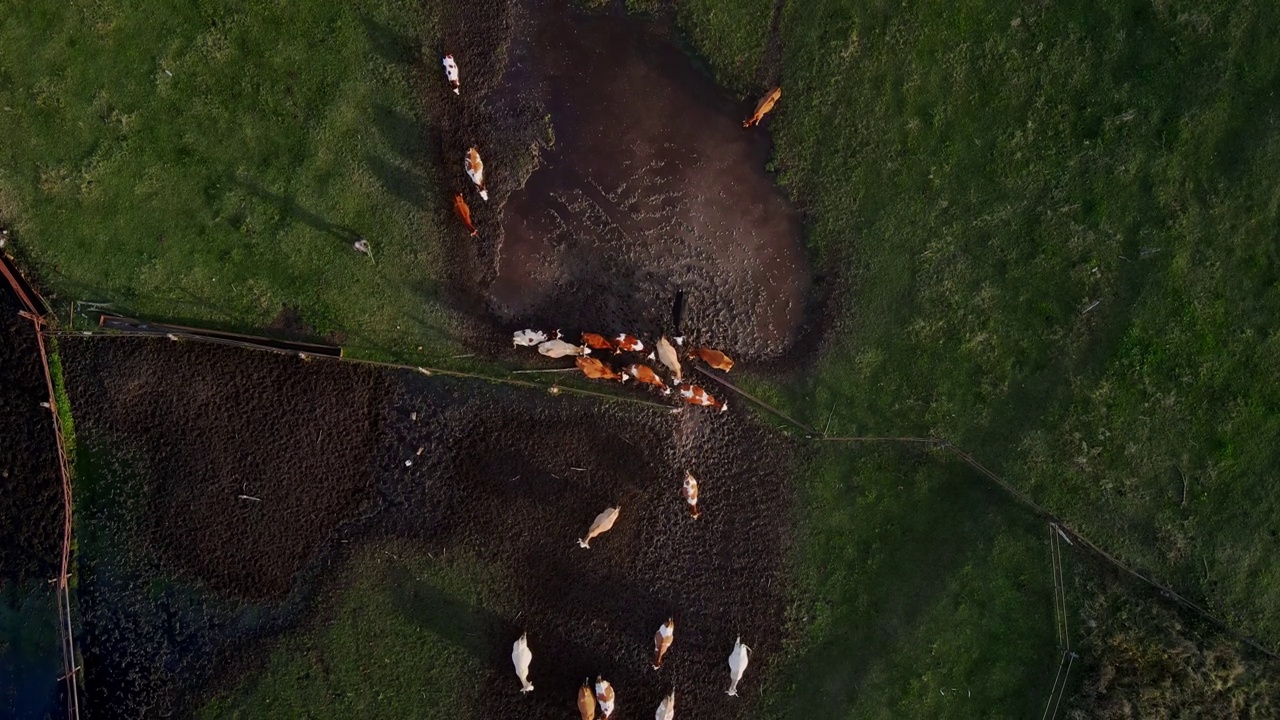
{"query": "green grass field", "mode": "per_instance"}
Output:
(1061, 224)
(191, 163)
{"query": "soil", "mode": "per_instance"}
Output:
(650, 184)
(31, 496)
(213, 424)
(324, 444)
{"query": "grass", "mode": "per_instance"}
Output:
(403, 638)
(215, 165)
(1060, 224)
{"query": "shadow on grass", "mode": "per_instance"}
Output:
(289, 207)
(890, 584)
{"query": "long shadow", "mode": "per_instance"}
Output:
(289, 206)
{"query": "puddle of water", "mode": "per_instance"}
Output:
(652, 186)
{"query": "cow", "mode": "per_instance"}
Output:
(597, 370)
(596, 342)
(695, 395)
(737, 665)
(766, 104)
(689, 491)
(603, 522)
(451, 73)
(646, 375)
(662, 642)
(714, 358)
(528, 338)
(474, 166)
(604, 696)
(667, 708)
(586, 701)
(557, 348)
(464, 213)
(667, 354)
(521, 657)
(627, 343)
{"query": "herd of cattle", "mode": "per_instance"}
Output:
(600, 696)
(664, 352)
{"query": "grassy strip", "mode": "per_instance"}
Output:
(404, 637)
(214, 166)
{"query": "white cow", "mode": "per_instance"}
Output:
(528, 338)
(557, 348)
(604, 696)
(737, 665)
(521, 657)
(667, 708)
(601, 525)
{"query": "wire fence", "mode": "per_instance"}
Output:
(1060, 531)
(33, 310)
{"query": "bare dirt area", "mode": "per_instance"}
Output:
(255, 457)
(650, 185)
(31, 501)
(180, 575)
(517, 479)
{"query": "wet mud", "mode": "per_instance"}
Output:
(652, 186)
(512, 478)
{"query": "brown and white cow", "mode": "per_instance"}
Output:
(597, 370)
(714, 358)
(464, 213)
(604, 696)
(662, 642)
(475, 170)
(695, 395)
(451, 73)
(646, 375)
(689, 491)
(627, 343)
(766, 104)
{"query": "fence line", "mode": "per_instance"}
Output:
(1058, 525)
(62, 595)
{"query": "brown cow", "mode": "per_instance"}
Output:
(714, 358)
(586, 701)
(464, 213)
(766, 104)
(596, 342)
(597, 370)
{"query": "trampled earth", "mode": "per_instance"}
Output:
(232, 514)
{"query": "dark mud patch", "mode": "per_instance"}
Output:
(255, 457)
(514, 478)
(652, 185)
(184, 586)
(30, 489)
(31, 522)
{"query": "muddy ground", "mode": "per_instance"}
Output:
(31, 500)
(30, 525)
(179, 574)
(650, 184)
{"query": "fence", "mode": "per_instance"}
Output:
(1059, 529)
(34, 310)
